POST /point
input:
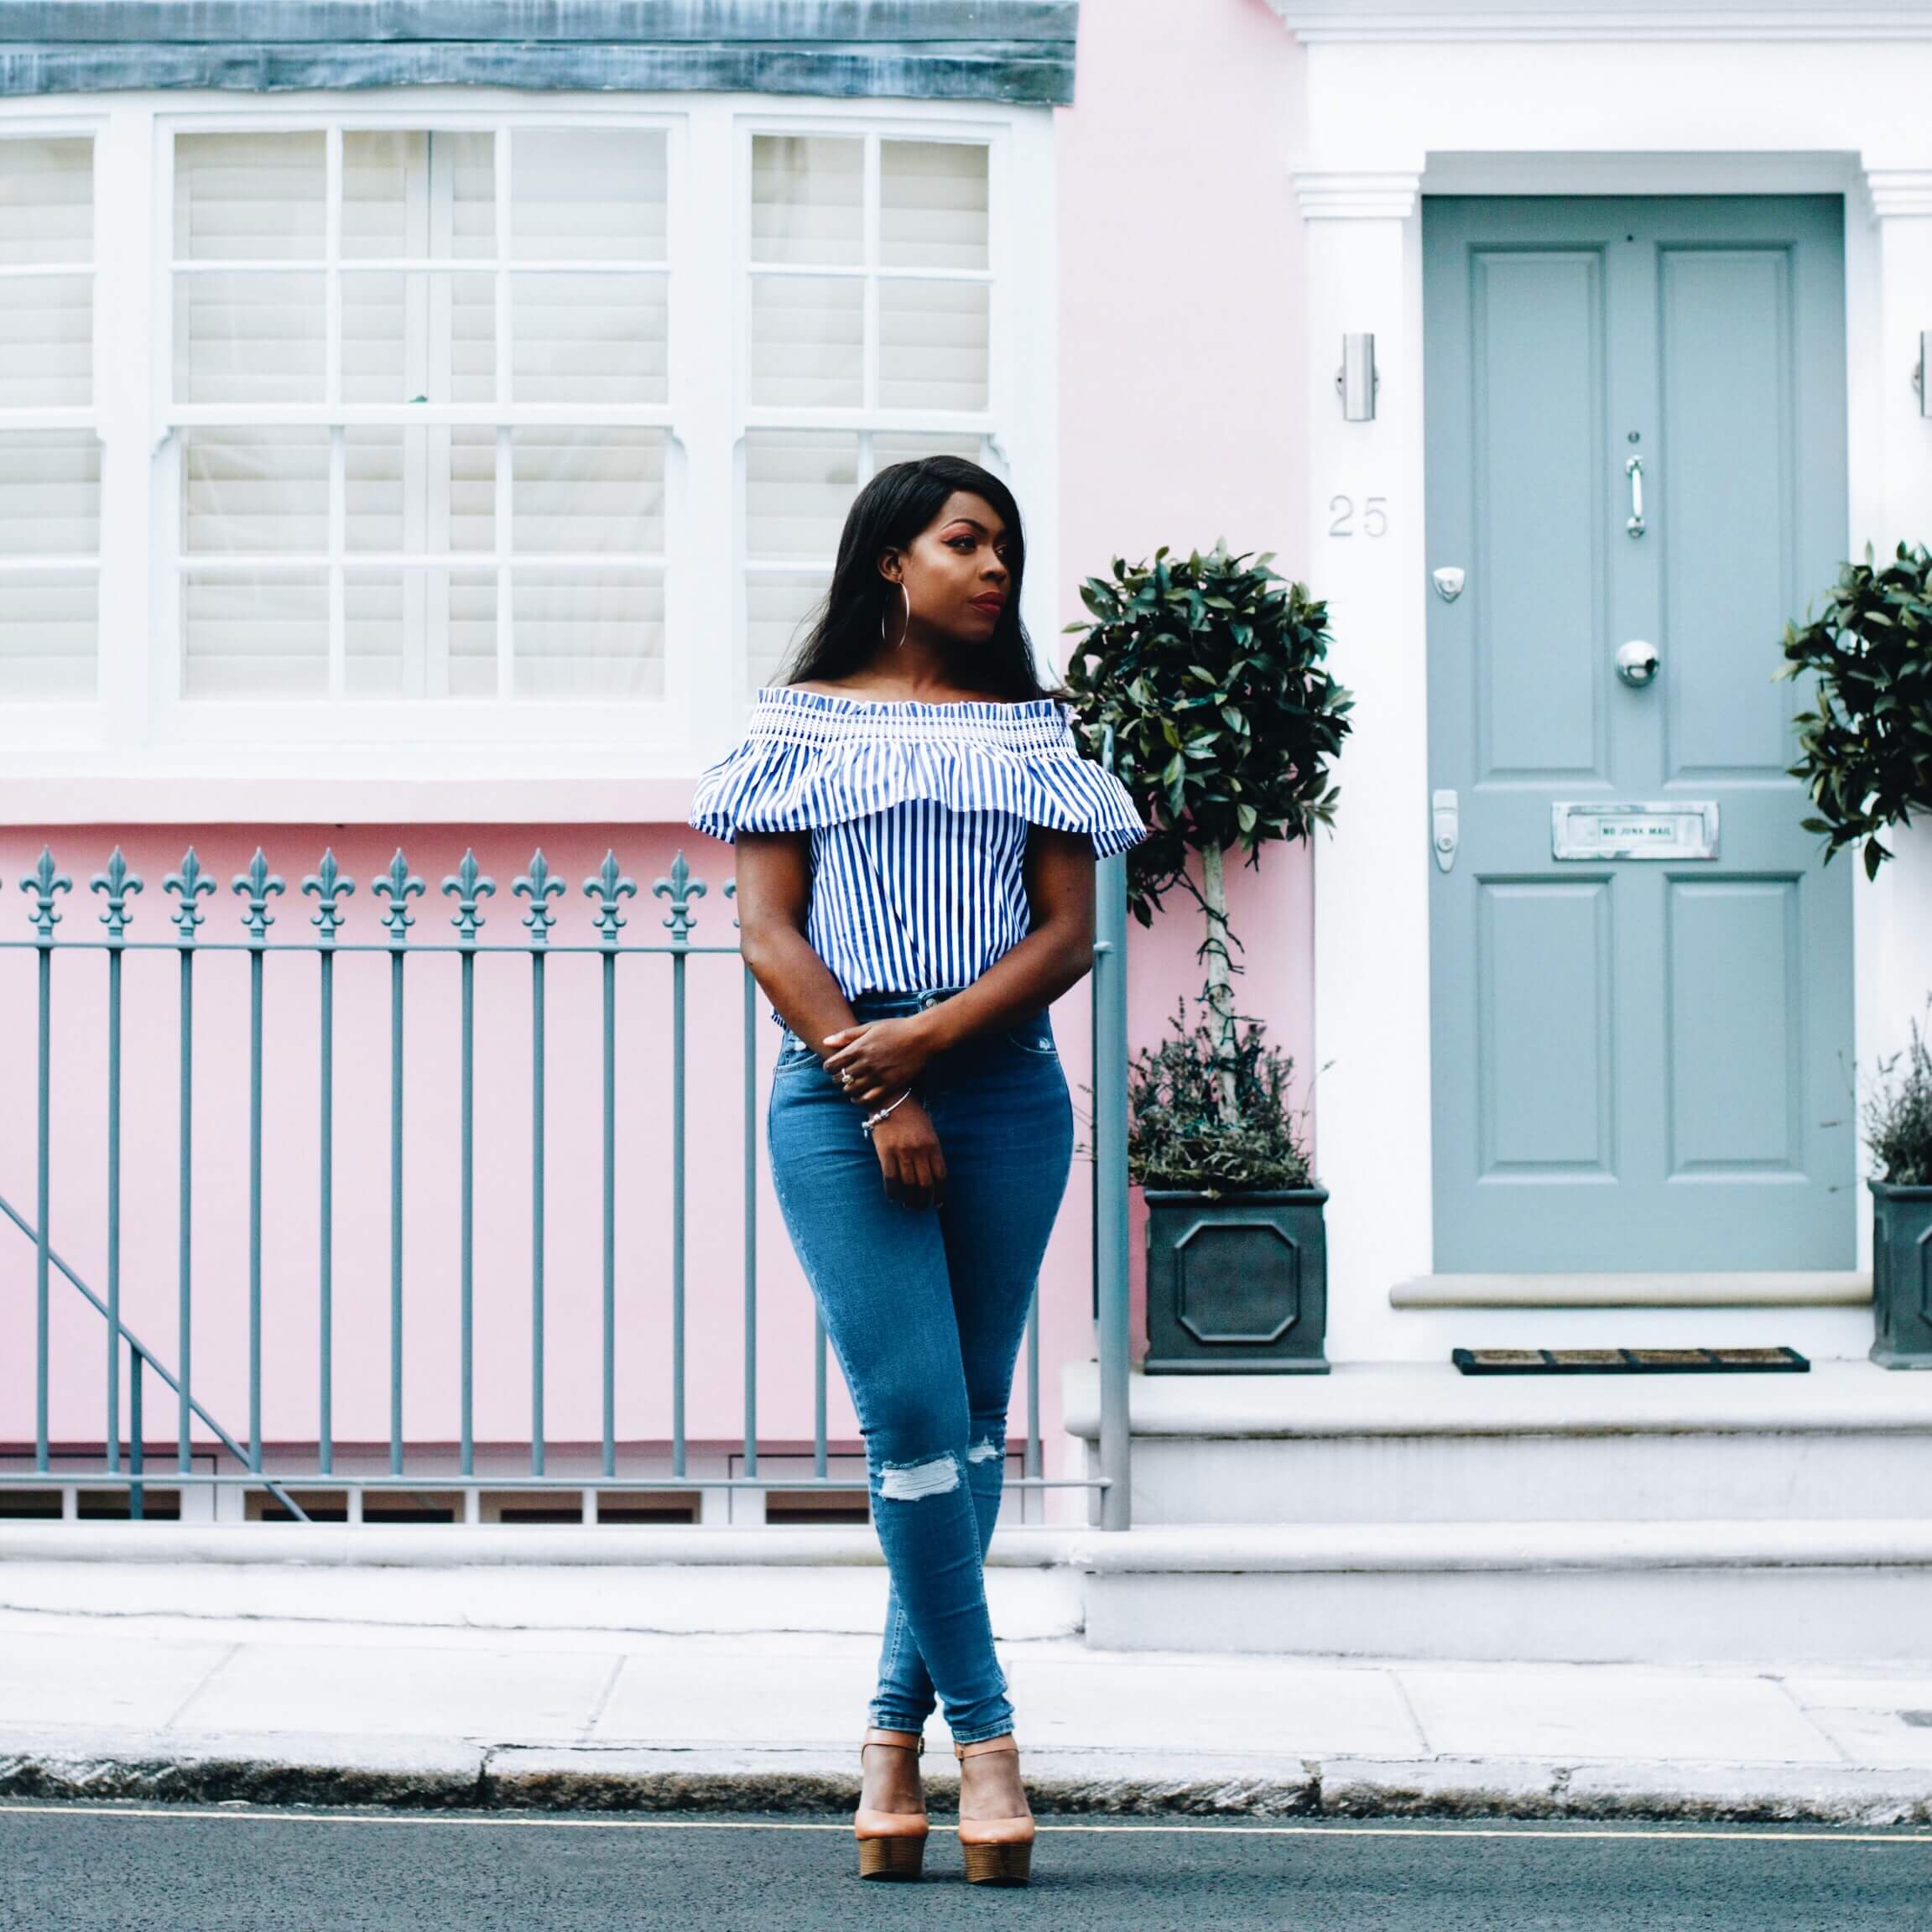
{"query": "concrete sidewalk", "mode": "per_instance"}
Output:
(370, 1702)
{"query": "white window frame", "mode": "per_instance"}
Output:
(142, 752)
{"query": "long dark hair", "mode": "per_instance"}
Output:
(901, 501)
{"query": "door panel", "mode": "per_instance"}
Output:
(1537, 466)
(1545, 1059)
(1727, 374)
(1636, 1062)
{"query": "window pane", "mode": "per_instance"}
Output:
(808, 199)
(431, 489)
(588, 633)
(585, 490)
(250, 197)
(241, 338)
(46, 341)
(50, 493)
(808, 341)
(932, 205)
(799, 484)
(777, 608)
(590, 338)
(419, 337)
(473, 639)
(254, 490)
(587, 195)
(418, 195)
(400, 625)
(46, 201)
(48, 634)
(932, 345)
(255, 636)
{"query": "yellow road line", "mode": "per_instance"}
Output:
(1201, 1829)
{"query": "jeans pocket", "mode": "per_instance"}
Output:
(793, 1052)
(1034, 1036)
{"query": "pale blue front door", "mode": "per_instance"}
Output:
(1638, 1062)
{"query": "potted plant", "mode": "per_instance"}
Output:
(1865, 751)
(1236, 1251)
(1865, 758)
(1898, 1131)
(1209, 673)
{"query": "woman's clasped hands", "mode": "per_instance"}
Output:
(876, 1062)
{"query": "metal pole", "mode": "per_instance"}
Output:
(1109, 1178)
(751, 1102)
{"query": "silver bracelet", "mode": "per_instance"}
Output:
(872, 1120)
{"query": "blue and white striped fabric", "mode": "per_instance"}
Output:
(917, 814)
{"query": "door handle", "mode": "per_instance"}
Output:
(1445, 834)
(1633, 469)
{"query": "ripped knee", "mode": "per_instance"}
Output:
(910, 1481)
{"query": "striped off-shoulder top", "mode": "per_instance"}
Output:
(917, 814)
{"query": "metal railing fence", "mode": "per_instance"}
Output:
(122, 1461)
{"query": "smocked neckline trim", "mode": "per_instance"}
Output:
(977, 707)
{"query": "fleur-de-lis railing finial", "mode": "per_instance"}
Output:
(43, 882)
(608, 886)
(190, 882)
(330, 886)
(116, 883)
(732, 892)
(257, 882)
(536, 886)
(398, 886)
(680, 889)
(467, 885)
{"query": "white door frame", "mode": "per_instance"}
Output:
(1400, 102)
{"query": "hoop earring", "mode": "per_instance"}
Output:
(906, 627)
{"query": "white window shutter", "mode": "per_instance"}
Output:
(49, 519)
(46, 320)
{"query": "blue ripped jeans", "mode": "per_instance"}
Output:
(925, 1309)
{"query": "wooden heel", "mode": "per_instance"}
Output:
(1001, 1864)
(900, 1856)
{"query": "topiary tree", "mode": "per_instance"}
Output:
(1867, 747)
(1210, 671)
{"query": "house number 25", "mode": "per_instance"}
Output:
(1374, 517)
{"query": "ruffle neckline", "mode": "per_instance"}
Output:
(811, 758)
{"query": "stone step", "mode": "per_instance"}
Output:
(1842, 1593)
(1413, 1442)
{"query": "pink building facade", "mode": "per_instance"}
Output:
(434, 454)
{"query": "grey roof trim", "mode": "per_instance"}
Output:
(1017, 51)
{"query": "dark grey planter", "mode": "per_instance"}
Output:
(1236, 1284)
(1901, 1275)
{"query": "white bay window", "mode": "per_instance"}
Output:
(446, 421)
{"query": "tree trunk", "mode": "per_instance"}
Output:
(1220, 990)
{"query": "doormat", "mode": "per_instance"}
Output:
(1628, 1361)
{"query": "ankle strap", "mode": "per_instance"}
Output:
(912, 1740)
(1005, 1742)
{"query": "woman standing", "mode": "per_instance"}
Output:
(916, 831)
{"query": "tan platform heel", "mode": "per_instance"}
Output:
(998, 1850)
(892, 1844)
